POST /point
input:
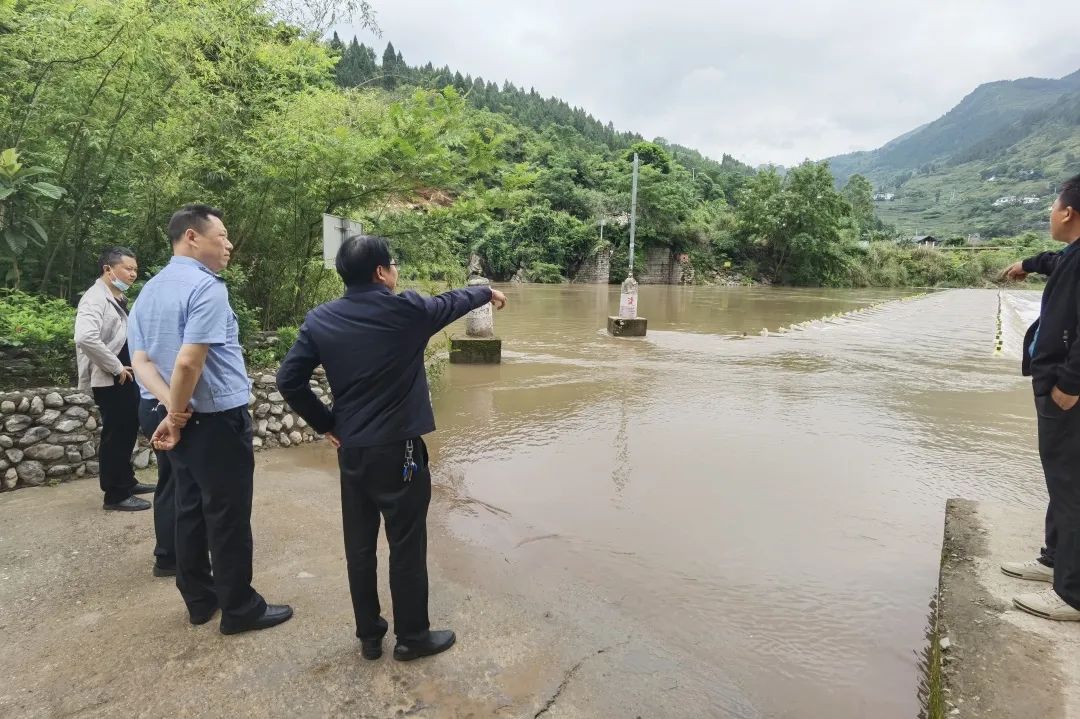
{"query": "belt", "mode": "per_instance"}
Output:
(196, 415)
(158, 405)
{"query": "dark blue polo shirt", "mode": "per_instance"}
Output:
(371, 343)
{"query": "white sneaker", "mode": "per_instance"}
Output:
(1048, 605)
(1034, 571)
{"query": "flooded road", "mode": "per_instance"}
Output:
(766, 509)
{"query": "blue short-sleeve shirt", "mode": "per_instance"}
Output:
(186, 303)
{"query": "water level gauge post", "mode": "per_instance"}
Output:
(627, 323)
(478, 345)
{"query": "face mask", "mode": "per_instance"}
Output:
(119, 283)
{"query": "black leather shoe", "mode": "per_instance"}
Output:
(201, 618)
(274, 615)
(160, 571)
(141, 488)
(131, 504)
(436, 643)
(371, 648)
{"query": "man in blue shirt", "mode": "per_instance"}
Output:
(371, 343)
(186, 341)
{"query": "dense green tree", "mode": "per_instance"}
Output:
(794, 225)
(860, 195)
(137, 110)
(337, 47)
(135, 107)
(347, 71)
(390, 70)
(22, 191)
(367, 68)
(650, 153)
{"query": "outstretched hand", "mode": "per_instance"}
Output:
(1014, 272)
(498, 299)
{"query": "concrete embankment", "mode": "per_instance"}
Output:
(997, 661)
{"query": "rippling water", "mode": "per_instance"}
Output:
(774, 503)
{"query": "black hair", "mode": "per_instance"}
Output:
(359, 256)
(112, 255)
(190, 217)
(1069, 193)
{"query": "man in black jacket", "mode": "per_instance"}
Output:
(371, 343)
(1052, 359)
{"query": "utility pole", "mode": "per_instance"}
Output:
(633, 213)
(627, 323)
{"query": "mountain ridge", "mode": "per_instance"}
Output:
(989, 108)
(969, 171)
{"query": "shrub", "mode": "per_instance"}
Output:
(286, 338)
(545, 272)
(32, 319)
(45, 325)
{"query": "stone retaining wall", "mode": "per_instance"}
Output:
(275, 424)
(664, 267)
(596, 269)
(50, 435)
(47, 435)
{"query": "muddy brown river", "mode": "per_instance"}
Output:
(767, 509)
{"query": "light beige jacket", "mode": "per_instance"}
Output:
(100, 334)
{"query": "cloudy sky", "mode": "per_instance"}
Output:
(764, 81)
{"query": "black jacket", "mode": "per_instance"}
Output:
(371, 343)
(1056, 357)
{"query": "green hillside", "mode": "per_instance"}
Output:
(358, 68)
(117, 112)
(1010, 139)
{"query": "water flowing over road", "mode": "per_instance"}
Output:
(768, 509)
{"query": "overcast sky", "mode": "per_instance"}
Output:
(764, 81)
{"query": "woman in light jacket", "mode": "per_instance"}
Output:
(104, 363)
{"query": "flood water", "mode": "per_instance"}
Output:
(771, 506)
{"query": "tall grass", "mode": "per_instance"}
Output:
(888, 265)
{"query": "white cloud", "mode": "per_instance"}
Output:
(766, 82)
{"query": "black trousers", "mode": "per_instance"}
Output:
(119, 407)
(372, 486)
(213, 468)
(150, 415)
(1059, 449)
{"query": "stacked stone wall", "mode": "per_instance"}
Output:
(664, 267)
(596, 270)
(50, 435)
